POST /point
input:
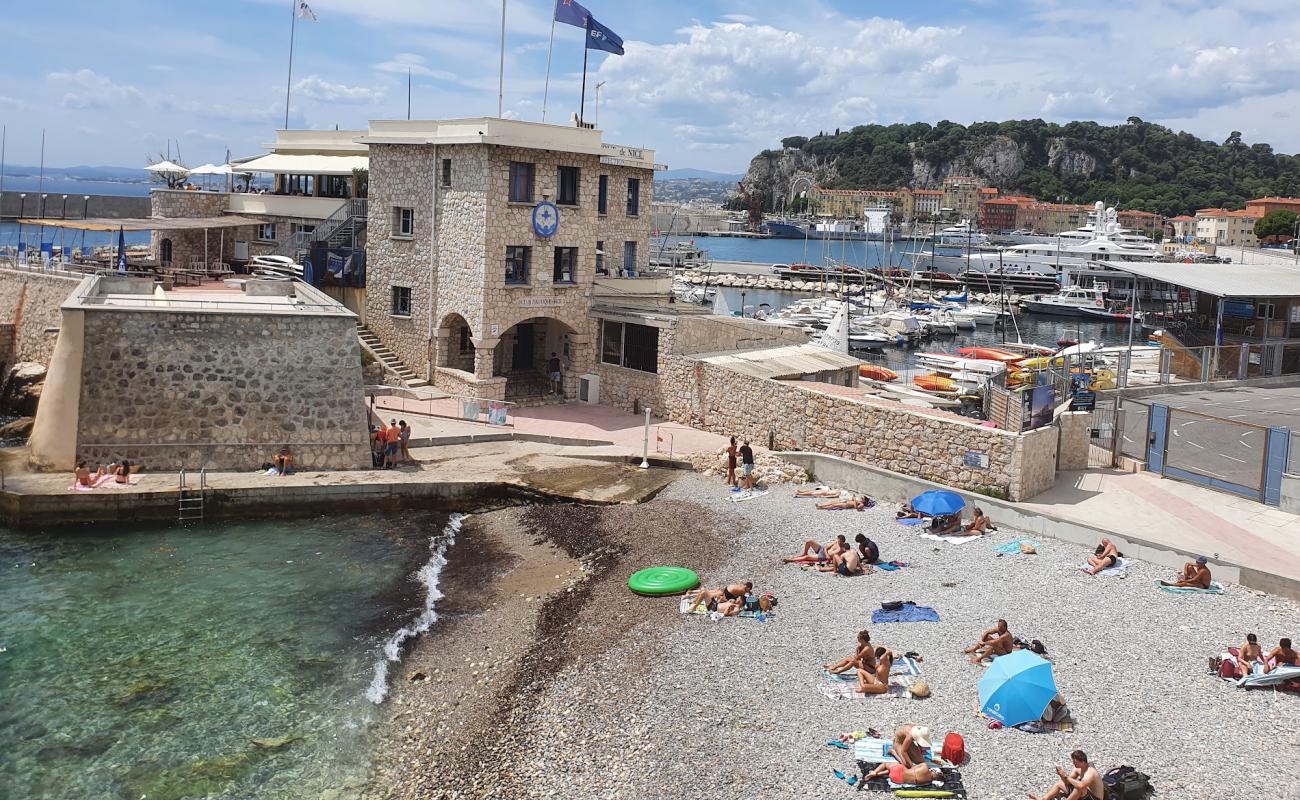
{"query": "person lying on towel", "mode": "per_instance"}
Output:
(864, 653)
(994, 642)
(1081, 783)
(847, 564)
(919, 775)
(857, 502)
(1104, 557)
(1281, 656)
(876, 681)
(732, 594)
(907, 512)
(814, 553)
(833, 493)
(1196, 575)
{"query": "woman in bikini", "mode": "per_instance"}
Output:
(854, 502)
(713, 598)
(864, 653)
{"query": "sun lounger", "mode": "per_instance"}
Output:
(1215, 588)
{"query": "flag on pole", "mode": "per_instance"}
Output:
(601, 38)
(571, 13)
(305, 12)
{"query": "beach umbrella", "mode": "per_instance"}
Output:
(938, 503)
(1017, 688)
(121, 251)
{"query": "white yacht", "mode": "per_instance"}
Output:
(961, 235)
(1072, 301)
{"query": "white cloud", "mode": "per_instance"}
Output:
(402, 63)
(88, 89)
(742, 18)
(317, 89)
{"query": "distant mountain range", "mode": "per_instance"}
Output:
(85, 173)
(699, 175)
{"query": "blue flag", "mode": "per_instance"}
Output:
(601, 38)
(570, 13)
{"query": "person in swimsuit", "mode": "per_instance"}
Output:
(911, 744)
(996, 641)
(1081, 783)
(907, 512)
(1281, 656)
(1105, 557)
(978, 523)
(731, 462)
(123, 472)
(1196, 575)
(846, 563)
(854, 502)
(876, 681)
(918, 775)
(864, 651)
(814, 553)
(84, 477)
(831, 493)
(946, 526)
(712, 598)
(870, 550)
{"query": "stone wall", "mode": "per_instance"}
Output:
(1075, 440)
(1034, 466)
(109, 206)
(30, 302)
(220, 390)
(190, 244)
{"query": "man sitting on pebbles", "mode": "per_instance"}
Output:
(1196, 575)
(994, 642)
(814, 553)
(727, 601)
(1082, 783)
(1104, 557)
(846, 563)
(1281, 656)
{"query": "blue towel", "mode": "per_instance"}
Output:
(908, 613)
(912, 521)
(890, 566)
(1013, 546)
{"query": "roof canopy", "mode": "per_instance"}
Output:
(783, 362)
(284, 163)
(145, 223)
(1221, 280)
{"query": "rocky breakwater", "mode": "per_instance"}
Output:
(773, 283)
(19, 396)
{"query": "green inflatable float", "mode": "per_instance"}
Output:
(661, 581)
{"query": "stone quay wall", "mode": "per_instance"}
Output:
(107, 206)
(30, 302)
(173, 389)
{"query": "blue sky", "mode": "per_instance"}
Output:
(706, 83)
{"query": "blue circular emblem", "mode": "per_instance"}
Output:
(546, 219)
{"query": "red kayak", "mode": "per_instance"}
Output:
(989, 354)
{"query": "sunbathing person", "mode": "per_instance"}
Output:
(918, 775)
(944, 526)
(712, 598)
(855, 502)
(83, 476)
(869, 550)
(1083, 782)
(814, 553)
(978, 524)
(876, 681)
(1196, 575)
(122, 472)
(1104, 557)
(1281, 656)
(911, 744)
(863, 652)
(822, 492)
(1248, 655)
(907, 512)
(847, 563)
(996, 641)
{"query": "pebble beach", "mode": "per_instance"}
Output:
(620, 696)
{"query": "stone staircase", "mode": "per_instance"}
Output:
(391, 362)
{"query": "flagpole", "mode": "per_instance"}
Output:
(501, 74)
(546, 86)
(408, 94)
(288, 83)
(582, 104)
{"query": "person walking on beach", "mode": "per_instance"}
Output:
(404, 435)
(747, 466)
(556, 376)
(731, 462)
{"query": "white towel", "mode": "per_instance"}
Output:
(1116, 570)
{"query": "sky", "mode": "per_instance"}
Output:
(706, 83)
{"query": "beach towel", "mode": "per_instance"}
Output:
(891, 566)
(78, 486)
(1117, 570)
(1013, 547)
(1215, 588)
(1037, 726)
(684, 607)
(844, 686)
(1275, 679)
(908, 613)
(132, 481)
(912, 521)
(952, 539)
(746, 494)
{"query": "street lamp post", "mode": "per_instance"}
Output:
(596, 122)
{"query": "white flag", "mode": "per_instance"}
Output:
(305, 12)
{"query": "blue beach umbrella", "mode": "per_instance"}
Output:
(937, 503)
(1017, 688)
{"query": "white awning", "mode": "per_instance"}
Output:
(212, 169)
(1221, 280)
(287, 164)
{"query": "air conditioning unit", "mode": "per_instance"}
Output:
(589, 388)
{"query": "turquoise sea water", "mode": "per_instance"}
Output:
(146, 661)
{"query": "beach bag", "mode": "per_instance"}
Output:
(954, 749)
(1227, 668)
(1126, 783)
(892, 605)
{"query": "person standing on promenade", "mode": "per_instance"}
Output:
(392, 440)
(554, 372)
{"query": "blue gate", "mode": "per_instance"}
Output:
(1157, 430)
(1275, 460)
(1219, 453)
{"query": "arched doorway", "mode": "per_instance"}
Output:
(457, 343)
(522, 354)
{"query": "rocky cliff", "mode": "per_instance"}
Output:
(772, 173)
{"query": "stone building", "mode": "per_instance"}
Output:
(485, 238)
(961, 194)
